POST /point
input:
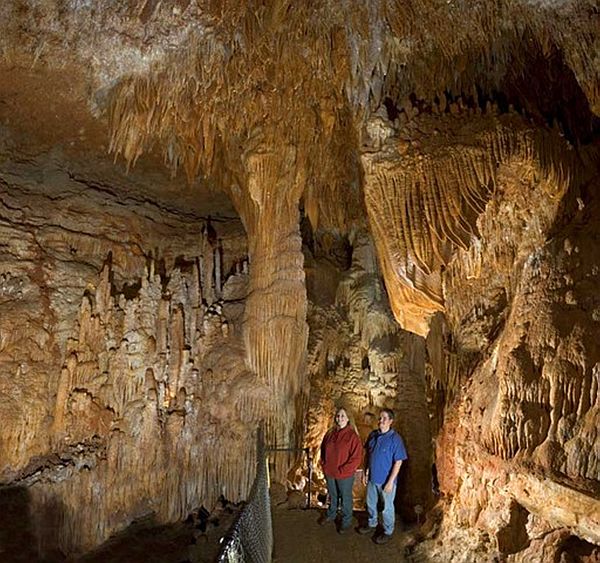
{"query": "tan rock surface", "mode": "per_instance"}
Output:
(296, 186)
(112, 330)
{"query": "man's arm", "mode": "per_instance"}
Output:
(389, 485)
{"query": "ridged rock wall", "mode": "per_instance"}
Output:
(515, 370)
(123, 383)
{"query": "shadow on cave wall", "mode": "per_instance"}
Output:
(26, 536)
(196, 539)
(543, 85)
(30, 534)
(17, 541)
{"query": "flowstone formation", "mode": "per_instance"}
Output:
(517, 449)
(119, 346)
(215, 214)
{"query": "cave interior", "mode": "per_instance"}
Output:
(217, 215)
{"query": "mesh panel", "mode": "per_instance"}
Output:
(250, 539)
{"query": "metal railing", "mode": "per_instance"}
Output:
(250, 538)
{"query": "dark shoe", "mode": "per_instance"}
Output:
(383, 538)
(364, 530)
(344, 529)
(323, 521)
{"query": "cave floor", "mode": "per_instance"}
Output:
(297, 535)
(300, 539)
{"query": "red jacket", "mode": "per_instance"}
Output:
(341, 453)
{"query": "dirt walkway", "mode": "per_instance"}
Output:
(300, 539)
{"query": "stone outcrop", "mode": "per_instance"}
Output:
(518, 444)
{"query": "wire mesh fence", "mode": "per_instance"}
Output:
(250, 538)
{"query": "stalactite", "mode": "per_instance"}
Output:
(447, 189)
(207, 268)
(130, 379)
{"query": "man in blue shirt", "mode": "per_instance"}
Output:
(385, 453)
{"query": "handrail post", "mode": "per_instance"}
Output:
(310, 470)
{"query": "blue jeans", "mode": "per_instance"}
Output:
(340, 492)
(374, 492)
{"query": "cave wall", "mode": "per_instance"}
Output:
(513, 375)
(123, 378)
(484, 223)
(521, 435)
(460, 131)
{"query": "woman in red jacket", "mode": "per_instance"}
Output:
(341, 455)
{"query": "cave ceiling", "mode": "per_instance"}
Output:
(186, 94)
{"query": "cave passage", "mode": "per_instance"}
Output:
(219, 219)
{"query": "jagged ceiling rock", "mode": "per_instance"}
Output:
(192, 75)
(198, 83)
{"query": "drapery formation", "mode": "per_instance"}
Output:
(423, 199)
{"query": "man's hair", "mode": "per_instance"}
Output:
(389, 412)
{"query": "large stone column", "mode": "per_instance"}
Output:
(275, 329)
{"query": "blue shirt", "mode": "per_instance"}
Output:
(382, 451)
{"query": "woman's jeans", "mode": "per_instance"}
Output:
(340, 492)
(374, 492)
